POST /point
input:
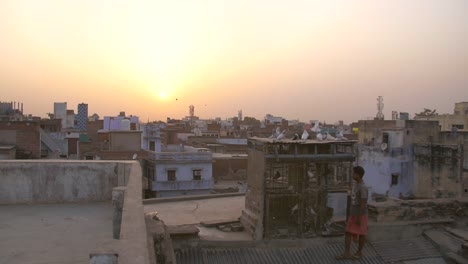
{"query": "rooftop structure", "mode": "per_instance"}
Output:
(406, 159)
(151, 137)
(11, 111)
(121, 122)
(273, 120)
(61, 212)
(181, 170)
(457, 121)
(289, 182)
(24, 135)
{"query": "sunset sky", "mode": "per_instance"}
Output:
(306, 59)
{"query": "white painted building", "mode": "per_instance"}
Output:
(293, 122)
(388, 166)
(274, 120)
(151, 137)
(60, 112)
(227, 123)
(404, 159)
(121, 122)
(182, 170)
(70, 119)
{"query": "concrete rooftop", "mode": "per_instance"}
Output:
(202, 210)
(198, 210)
(53, 233)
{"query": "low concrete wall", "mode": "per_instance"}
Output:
(189, 198)
(57, 181)
(133, 235)
(132, 245)
(412, 210)
(50, 181)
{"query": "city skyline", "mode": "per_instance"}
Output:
(326, 60)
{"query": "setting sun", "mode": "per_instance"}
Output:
(163, 95)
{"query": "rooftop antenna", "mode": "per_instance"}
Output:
(380, 106)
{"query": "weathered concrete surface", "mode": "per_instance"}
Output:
(189, 198)
(118, 195)
(54, 181)
(445, 242)
(196, 211)
(460, 233)
(253, 212)
(58, 181)
(53, 233)
(176, 230)
(449, 245)
(401, 210)
(404, 229)
(103, 259)
(133, 241)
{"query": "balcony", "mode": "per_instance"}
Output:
(180, 156)
(183, 185)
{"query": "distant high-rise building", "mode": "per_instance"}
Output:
(82, 117)
(60, 112)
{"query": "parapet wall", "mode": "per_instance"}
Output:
(416, 210)
(58, 181)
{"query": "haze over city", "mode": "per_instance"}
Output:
(326, 60)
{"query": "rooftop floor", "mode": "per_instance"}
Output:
(203, 210)
(198, 210)
(53, 233)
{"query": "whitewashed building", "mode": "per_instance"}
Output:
(179, 170)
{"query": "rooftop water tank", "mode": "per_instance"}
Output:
(125, 124)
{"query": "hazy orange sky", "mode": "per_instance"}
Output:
(326, 60)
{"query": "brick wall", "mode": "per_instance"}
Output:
(28, 138)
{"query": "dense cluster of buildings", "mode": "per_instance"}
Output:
(188, 156)
(293, 177)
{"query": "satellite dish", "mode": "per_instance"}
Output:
(384, 146)
(135, 156)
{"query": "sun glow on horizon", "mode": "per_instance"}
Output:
(226, 54)
(163, 95)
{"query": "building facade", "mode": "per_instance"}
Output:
(406, 159)
(180, 171)
(291, 184)
(151, 137)
(82, 117)
(60, 112)
(448, 122)
(121, 122)
(24, 136)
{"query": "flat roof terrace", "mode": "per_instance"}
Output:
(193, 210)
(54, 211)
(53, 233)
